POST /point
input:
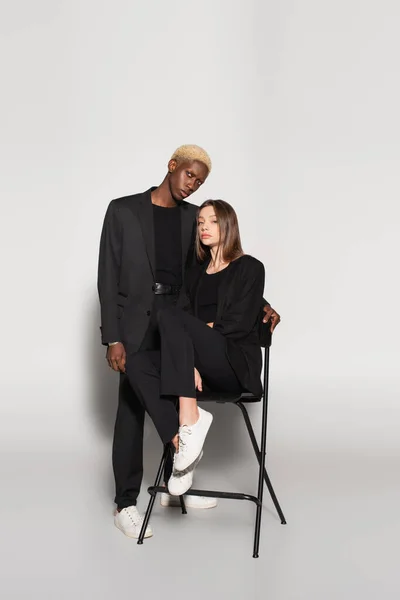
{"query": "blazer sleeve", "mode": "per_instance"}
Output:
(238, 319)
(108, 274)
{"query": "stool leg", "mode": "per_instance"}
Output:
(153, 496)
(258, 456)
(260, 494)
(183, 505)
(274, 498)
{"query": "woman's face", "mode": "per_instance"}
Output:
(208, 227)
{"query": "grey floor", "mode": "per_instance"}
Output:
(341, 540)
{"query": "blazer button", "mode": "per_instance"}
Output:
(148, 313)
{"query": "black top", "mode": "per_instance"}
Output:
(168, 244)
(207, 298)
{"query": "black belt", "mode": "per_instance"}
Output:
(165, 288)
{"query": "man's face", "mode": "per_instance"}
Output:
(185, 178)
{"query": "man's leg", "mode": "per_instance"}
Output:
(128, 432)
(128, 460)
(127, 454)
(152, 342)
(143, 371)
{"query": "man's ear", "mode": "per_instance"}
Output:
(172, 166)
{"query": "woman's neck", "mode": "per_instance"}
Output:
(217, 262)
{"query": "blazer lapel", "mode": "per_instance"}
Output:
(147, 225)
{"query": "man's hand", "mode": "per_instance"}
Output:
(271, 314)
(116, 357)
(198, 384)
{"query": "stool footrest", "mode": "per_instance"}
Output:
(153, 490)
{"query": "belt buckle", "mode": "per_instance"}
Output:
(166, 288)
(161, 288)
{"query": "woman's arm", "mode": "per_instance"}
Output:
(239, 318)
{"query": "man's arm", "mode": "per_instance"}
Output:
(108, 275)
(270, 315)
(107, 284)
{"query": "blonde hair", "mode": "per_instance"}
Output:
(190, 152)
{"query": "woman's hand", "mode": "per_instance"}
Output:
(210, 325)
(198, 384)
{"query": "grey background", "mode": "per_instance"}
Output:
(297, 103)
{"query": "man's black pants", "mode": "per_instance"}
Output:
(127, 453)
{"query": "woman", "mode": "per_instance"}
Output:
(210, 338)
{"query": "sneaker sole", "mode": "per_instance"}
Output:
(135, 537)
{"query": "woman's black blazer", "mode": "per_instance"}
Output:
(239, 306)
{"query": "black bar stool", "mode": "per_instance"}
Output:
(239, 400)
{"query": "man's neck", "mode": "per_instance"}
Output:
(161, 196)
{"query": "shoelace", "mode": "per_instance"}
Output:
(134, 516)
(183, 432)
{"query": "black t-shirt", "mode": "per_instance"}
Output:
(168, 244)
(208, 295)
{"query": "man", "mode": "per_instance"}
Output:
(147, 243)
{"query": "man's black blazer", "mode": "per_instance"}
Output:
(126, 272)
(240, 301)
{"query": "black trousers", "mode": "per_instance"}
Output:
(186, 343)
(159, 378)
(127, 452)
(144, 370)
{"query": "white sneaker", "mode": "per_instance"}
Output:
(181, 481)
(191, 440)
(130, 521)
(200, 502)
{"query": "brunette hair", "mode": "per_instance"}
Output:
(229, 245)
